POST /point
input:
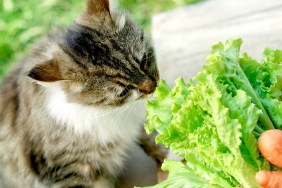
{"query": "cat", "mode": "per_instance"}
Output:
(73, 108)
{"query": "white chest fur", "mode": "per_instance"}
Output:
(104, 124)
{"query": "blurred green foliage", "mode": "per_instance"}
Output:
(22, 22)
(142, 10)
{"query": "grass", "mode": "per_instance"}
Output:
(22, 22)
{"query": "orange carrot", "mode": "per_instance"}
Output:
(270, 146)
(268, 179)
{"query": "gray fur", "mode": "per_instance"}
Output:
(102, 62)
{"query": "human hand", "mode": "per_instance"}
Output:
(270, 146)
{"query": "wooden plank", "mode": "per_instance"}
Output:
(183, 37)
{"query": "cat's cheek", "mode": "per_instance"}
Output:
(76, 88)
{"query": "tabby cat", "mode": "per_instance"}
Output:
(72, 109)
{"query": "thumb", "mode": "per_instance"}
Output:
(269, 179)
(270, 146)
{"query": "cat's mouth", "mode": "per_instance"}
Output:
(145, 95)
(136, 95)
(142, 91)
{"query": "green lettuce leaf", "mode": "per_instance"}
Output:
(180, 175)
(214, 119)
(266, 79)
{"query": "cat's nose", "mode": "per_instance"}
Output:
(148, 86)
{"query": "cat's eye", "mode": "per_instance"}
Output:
(126, 90)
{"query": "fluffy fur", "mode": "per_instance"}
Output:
(73, 108)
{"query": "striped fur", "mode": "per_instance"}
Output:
(73, 108)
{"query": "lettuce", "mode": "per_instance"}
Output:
(215, 118)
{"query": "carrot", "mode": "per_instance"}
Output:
(270, 146)
(269, 179)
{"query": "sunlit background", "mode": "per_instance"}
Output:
(22, 22)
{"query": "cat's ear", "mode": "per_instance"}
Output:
(46, 72)
(98, 6)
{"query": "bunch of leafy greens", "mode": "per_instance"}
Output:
(214, 119)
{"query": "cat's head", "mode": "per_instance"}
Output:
(103, 59)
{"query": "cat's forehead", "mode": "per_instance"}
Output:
(90, 43)
(120, 27)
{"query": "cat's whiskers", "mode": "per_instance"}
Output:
(119, 115)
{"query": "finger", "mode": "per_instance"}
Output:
(270, 146)
(269, 179)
